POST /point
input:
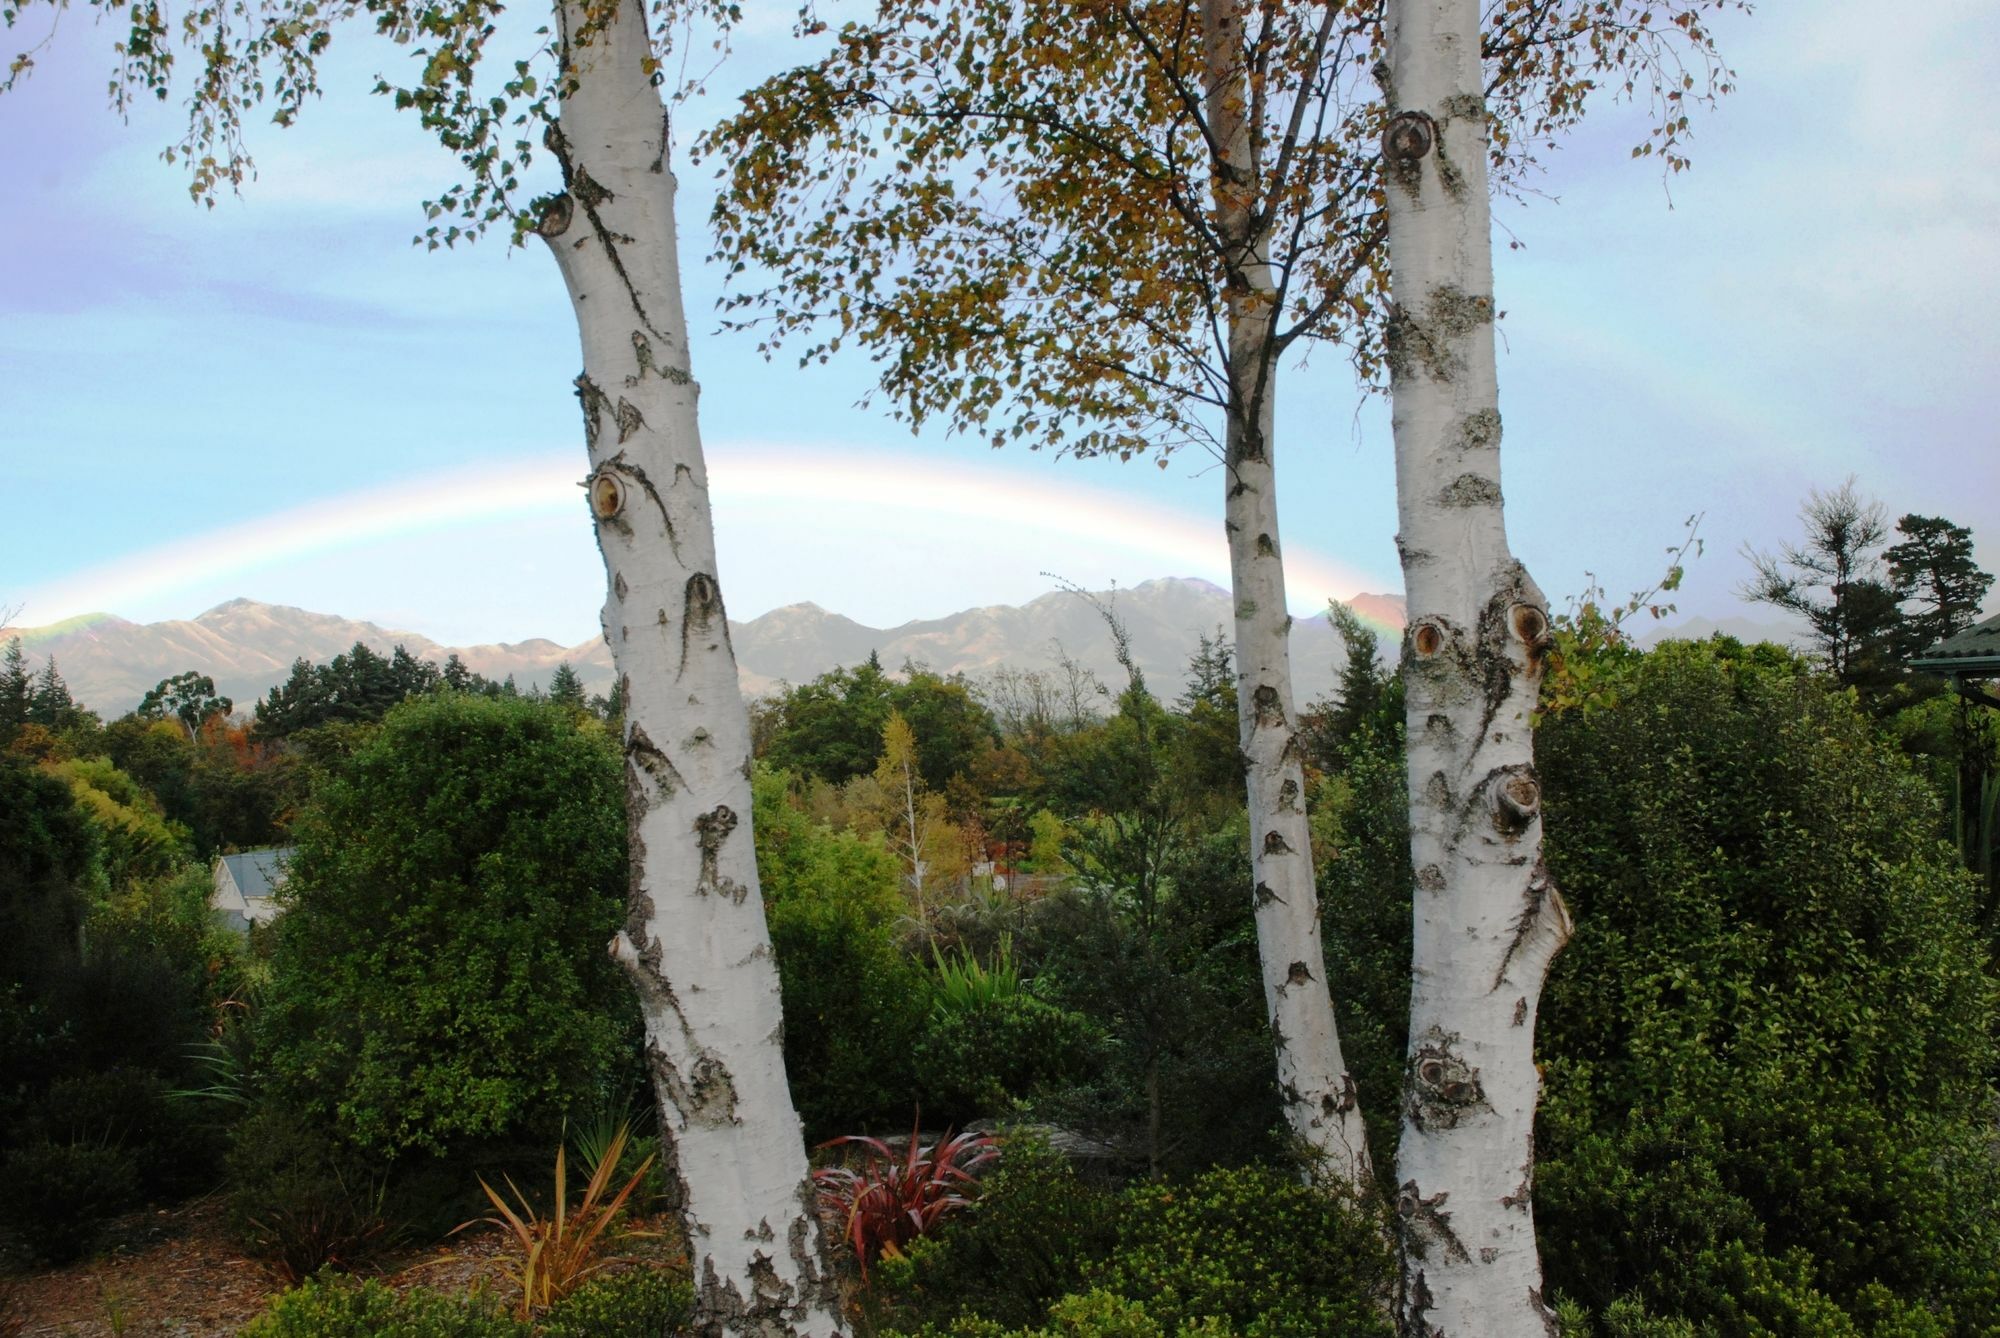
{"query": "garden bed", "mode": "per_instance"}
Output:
(175, 1271)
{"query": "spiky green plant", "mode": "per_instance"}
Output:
(964, 984)
(554, 1255)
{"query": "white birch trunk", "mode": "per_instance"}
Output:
(916, 839)
(1320, 1104)
(1487, 918)
(695, 942)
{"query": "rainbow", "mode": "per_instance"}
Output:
(741, 475)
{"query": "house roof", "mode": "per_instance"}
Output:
(258, 873)
(1976, 650)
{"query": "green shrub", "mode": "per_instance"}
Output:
(1094, 1314)
(1248, 1251)
(1625, 1318)
(171, 1155)
(983, 1058)
(854, 1002)
(335, 1308)
(299, 1197)
(1362, 829)
(637, 1303)
(1768, 1047)
(1257, 1250)
(1770, 1043)
(440, 976)
(57, 1195)
(1171, 978)
(126, 1002)
(1029, 1238)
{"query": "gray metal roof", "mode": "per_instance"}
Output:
(257, 872)
(1975, 650)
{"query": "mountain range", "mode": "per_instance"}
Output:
(248, 647)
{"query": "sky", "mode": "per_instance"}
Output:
(283, 399)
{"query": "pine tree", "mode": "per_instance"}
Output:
(610, 708)
(1363, 685)
(565, 688)
(50, 704)
(1835, 580)
(16, 686)
(1933, 568)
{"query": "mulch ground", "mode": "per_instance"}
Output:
(175, 1271)
(159, 1271)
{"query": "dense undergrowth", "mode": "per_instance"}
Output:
(1768, 1051)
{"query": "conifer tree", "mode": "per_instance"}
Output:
(1834, 579)
(1933, 568)
(49, 703)
(566, 689)
(16, 685)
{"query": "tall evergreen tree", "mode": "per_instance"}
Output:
(1363, 685)
(412, 676)
(1933, 569)
(50, 703)
(359, 685)
(566, 689)
(610, 707)
(16, 686)
(1834, 579)
(1208, 755)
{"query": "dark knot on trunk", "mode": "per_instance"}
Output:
(553, 215)
(1408, 137)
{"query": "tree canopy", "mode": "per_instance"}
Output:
(188, 697)
(1932, 567)
(1852, 591)
(1015, 207)
(831, 728)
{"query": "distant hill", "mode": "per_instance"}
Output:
(1784, 630)
(248, 647)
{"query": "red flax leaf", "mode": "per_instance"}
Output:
(892, 1199)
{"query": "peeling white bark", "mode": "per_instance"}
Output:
(695, 942)
(1488, 920)
(1319, 1098)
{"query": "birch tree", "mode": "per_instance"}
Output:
(1106, 280)
(915, 818)
(695, 941)
(1102, 227)
(1487, 917)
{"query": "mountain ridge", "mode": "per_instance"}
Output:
(248, 646)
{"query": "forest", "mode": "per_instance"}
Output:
(1023, 1019)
